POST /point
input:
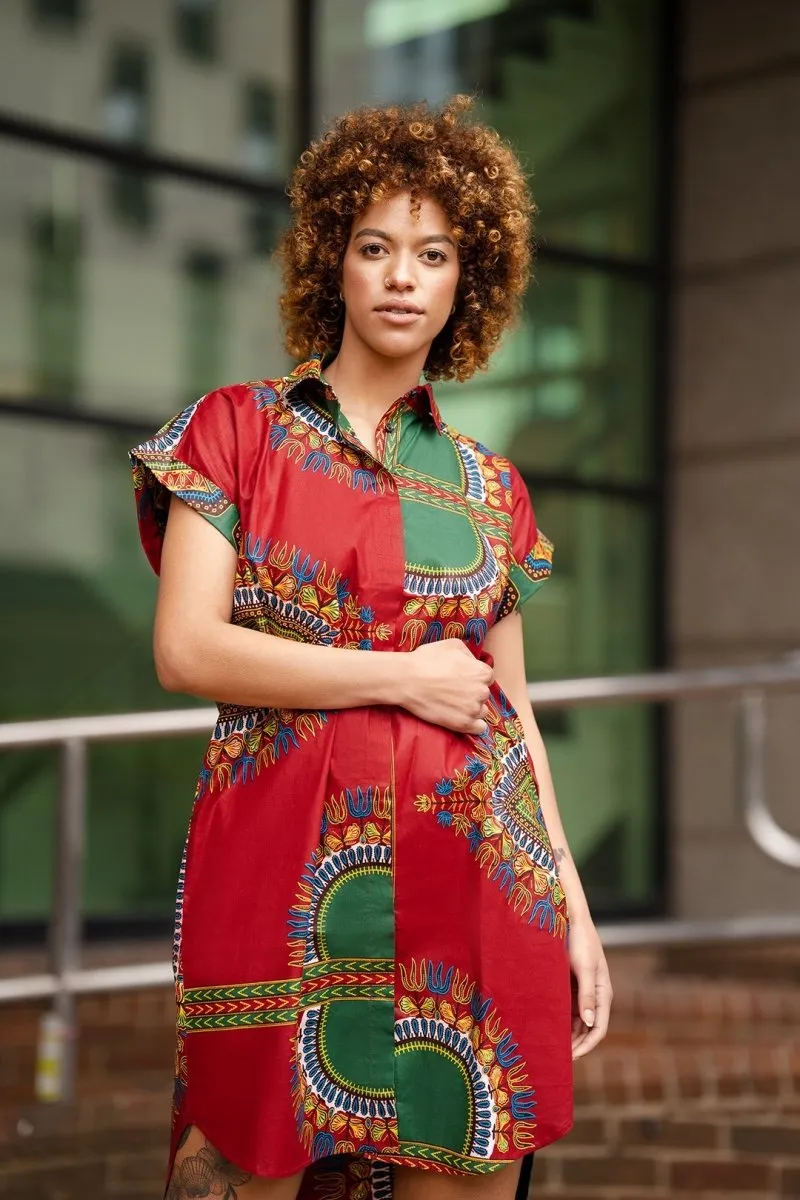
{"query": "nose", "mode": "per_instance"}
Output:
(400, 275)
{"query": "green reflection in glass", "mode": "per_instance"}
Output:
(75, 638)
(568, 393)
(572, 86)
(593, 617)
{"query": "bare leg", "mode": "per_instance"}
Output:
(200, 1170)
(411, 1183)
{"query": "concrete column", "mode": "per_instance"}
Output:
(735, 431)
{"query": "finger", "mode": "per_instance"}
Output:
(593, 1038)
(582, 1044)
(585, 979)
(602, 1011)
(579, 1035)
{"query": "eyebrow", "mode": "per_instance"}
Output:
(435, 237)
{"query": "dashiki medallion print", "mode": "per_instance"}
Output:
(370, 936)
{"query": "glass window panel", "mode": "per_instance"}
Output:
(113, 322)
(56, 306)
(197, 28)
(594, 617)
(569, 392)
(194, 112)
(77, 599)
(572, 85)
(66, 14)
(204, 323)
(605, 767)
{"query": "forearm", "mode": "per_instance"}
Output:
(229, 663)
(568, 872)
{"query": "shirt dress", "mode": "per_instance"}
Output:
(370, 937)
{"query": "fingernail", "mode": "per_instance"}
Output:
(588, 1017)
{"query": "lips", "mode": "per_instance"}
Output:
(398, 306)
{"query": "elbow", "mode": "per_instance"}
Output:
(171, 663)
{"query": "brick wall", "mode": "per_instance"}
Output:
(695, 1093)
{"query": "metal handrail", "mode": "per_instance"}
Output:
(73, 736)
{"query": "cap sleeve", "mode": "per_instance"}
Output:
(531, 552)
(193, 457)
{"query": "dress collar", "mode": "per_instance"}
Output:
(420, 399)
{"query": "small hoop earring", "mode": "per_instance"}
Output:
(341, 297)
(452, 310)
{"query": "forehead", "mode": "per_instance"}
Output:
(400, 212)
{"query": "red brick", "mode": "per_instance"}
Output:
(546, 1169)
(782, 1142)
(609, 1172)
(690, 1080)
(657, 1075)
(75, 1180)
(587, 1131)
(616, 1086)
(696, 1135)
(143, 1170)
(790, 1182)
(767, 1080)
(729, 1069)
(698, 1176)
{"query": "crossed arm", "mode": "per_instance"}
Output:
(197, 650)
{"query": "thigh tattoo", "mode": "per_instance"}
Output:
(205, 1172)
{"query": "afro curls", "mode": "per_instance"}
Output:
(373, 153)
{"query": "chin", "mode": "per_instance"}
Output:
(396, 346)
(398, 343)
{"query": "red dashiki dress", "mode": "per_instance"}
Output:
(370, 951)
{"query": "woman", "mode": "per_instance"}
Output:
(372, 971)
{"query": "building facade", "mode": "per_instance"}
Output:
(144, 151)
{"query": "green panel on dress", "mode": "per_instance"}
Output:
(429, 453)
(357, 1045)
(356, 917)
(458, 546)
(433, 1094)
(226, 523)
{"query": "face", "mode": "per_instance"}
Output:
(399, 276)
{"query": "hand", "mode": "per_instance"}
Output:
(445, 684)
(591, 993)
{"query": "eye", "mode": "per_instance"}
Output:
(434, 256)
(372, 250)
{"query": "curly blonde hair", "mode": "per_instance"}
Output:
(373, 153)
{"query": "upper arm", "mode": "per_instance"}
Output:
(504, 642)
(197, 572)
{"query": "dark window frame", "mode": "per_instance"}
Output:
(65, 15)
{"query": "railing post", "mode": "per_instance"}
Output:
(765, 831)
(58, 1041)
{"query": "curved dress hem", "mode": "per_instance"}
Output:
(391, 1159)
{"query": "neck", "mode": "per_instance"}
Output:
(370, 382)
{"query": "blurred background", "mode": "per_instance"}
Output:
(143, 171)
(649, 396)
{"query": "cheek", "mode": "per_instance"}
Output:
(356, 280)
(445, 289)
